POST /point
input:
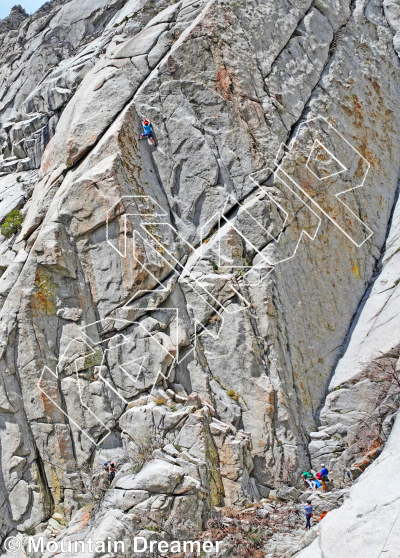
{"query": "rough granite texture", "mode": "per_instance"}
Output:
(273, 278)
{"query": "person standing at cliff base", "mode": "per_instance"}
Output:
(308, 509)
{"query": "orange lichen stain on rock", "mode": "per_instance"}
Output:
(225, 83)
(46, 160)
(322, 154)
(385, 114)
(64, 444)
(86, 515)
(375, 86)
(369, 455)
(43, 300)
(355, 112)
(48, 405)
(356, 270)
(51, 407)
(81, 296)
(308, 187)
(378, 111)
(368, 155)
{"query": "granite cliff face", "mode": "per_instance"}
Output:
(218, 310)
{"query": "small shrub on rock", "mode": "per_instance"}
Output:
(12, 223)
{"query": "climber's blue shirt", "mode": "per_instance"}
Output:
(324, 472)
(308, 509)
(147, 128)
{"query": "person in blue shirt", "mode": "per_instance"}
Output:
(323, 476)
(308, 509)
(147, 131)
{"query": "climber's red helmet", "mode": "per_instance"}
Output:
(145, 121)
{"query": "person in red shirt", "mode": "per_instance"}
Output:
(111, 473)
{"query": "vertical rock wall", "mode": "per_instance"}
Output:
(225, 85)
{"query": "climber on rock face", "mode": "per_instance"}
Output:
(308, 509)
(111, 473)
(147, 131)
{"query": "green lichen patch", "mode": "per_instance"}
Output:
(12, 223)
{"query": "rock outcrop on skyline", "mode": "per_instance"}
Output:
(214, 313)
